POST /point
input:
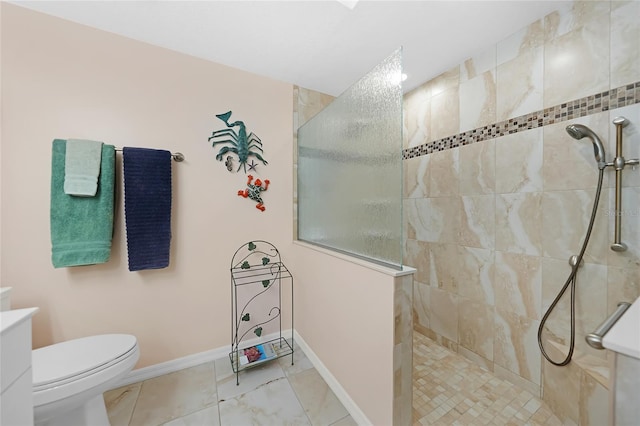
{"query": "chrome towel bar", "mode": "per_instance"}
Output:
(177, 156)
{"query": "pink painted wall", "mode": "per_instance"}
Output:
(62, 80)
(347, 320)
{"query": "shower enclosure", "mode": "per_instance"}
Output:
(350, 169)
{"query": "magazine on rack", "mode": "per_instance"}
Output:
(257, 354)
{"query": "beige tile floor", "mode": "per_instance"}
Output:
(450, 390)
(276, 393)
(447, 390)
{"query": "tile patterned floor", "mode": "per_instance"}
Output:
(276, 393)
(450, 390)
(447, 390)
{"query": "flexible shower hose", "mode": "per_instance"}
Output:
(571, 280)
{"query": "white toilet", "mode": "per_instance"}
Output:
(70, 377)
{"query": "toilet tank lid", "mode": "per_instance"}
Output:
(74, 357)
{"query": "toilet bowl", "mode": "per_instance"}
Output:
(69, 378)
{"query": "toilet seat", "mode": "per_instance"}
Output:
(64, 362)
(67, 369)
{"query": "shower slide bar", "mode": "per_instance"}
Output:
(618, 163)
(595, 339)
(177, 156)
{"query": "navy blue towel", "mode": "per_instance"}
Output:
(147, 207)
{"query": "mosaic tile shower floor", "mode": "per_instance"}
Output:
(450, 390)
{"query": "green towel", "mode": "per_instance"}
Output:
(82, 167)
(81, 227)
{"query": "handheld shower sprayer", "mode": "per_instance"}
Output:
(579, 131)
(576, 131)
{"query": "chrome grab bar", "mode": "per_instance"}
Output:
(595, 339)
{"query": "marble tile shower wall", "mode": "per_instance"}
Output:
(498, 197)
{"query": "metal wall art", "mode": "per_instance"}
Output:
(239, 143)
(253, 191)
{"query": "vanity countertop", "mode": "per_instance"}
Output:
(8, 319)
(624, 336)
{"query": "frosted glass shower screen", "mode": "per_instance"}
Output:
(350, 169)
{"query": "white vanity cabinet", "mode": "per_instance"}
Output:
(16, 400)
(624, 340)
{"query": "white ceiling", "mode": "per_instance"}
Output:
(322, 45)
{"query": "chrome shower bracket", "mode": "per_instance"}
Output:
(573, 261)
(618, 164)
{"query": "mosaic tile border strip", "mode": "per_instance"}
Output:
(610, 99)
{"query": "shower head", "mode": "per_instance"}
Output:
(579, 131)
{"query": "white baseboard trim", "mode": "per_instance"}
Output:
(356, 413)
(156, 370)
